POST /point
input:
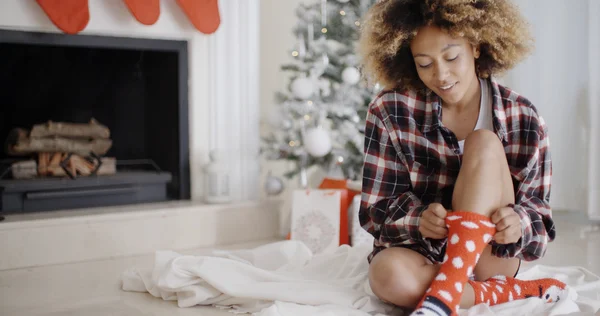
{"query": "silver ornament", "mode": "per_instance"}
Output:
(273, 185)
(286, 124)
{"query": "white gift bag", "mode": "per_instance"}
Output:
(316, 219)
(358, 235)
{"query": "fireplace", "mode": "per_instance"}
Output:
(137, 88)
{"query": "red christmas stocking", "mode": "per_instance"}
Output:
(204, 14)
(71, 16)
(145, 11)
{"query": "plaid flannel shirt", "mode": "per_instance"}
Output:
(412, 160)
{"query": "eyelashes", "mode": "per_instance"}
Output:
(428, 65)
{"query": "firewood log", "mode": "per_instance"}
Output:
(60, 145)
(15, 136)
(43, 162)
(70, 130)
(70, 166)
(109, 166)
(26, 169)
(54, 168)
(82, 166)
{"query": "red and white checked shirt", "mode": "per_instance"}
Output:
(412, 160)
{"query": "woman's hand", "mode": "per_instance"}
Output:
(432, 223)
(508, 225)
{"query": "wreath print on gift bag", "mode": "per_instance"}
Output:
(316, 231)
(316, 219)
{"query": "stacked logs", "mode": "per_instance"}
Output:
(61, 149)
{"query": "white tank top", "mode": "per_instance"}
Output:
(485, 118)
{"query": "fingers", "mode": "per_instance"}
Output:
(508, 236)
(438, 230)
(433, 232)
(438, 210)
(505, 218)
(435, 221)
(508, 226)
(500, 213)
(433, 224)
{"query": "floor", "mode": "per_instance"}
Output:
(92, 288)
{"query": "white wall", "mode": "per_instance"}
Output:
(593, 200)
(223, 75)
(276, 44)
(556, 78)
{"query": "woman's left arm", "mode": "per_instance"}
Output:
(532, 198)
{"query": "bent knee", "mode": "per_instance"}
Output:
(489, 266)
(394, 282)
(483, 142)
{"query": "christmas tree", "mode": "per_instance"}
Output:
(320, 117)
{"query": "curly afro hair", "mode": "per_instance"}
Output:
(495, 25)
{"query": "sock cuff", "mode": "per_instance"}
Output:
(470, 216)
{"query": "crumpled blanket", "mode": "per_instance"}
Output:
(286, 279)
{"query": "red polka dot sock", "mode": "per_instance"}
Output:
(501, 289)
(468, 234)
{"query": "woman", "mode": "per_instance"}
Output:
(457, 167)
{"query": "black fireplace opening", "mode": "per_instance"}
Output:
(135, 87)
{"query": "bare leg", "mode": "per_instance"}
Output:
(484, 184)
(401, 276)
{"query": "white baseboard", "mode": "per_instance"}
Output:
(81, 235)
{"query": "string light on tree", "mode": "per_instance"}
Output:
(326, 101)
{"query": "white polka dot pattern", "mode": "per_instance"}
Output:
(470, 246)
(457, 262)
(446, 295)
(469, 225)
(458, 287)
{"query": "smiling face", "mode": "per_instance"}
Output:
(446, 65)
(552, 294)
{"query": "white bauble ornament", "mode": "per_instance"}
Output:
(317, 142)
(302, 88)
(273, 185)
(351, 75)
(286, 124)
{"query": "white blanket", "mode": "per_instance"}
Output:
(285, 279)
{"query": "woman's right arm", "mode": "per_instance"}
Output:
(389, 210)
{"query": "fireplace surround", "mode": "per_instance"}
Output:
(136, 87)
(223, 86)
